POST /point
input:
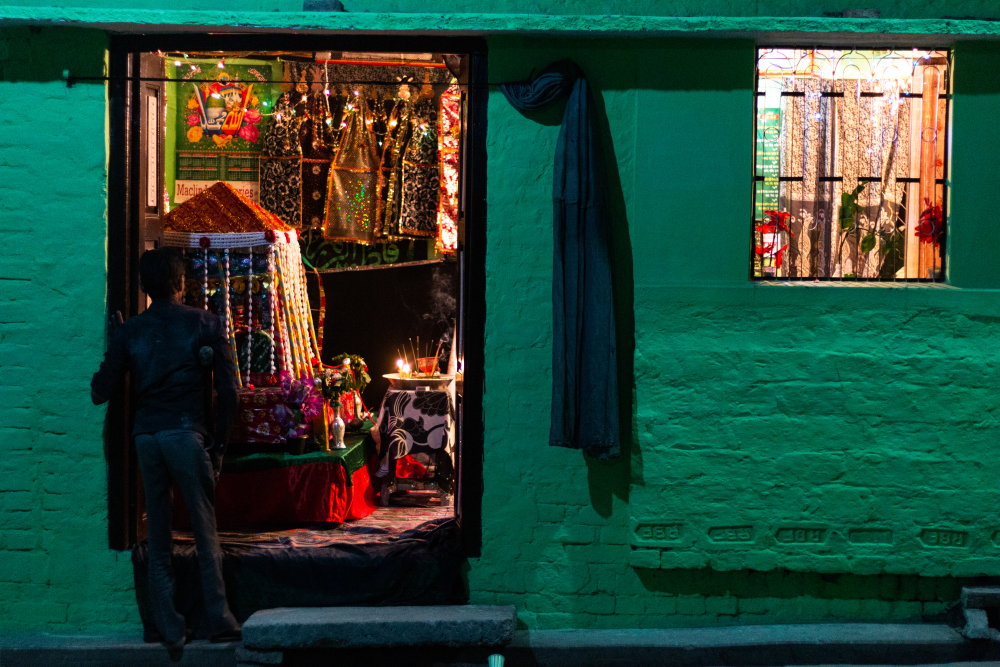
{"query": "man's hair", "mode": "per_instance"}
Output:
(161, 272)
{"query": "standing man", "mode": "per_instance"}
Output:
(164, 349)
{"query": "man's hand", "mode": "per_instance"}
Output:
(215, 456)
(97, 398)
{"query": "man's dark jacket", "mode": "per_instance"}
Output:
(160, 347)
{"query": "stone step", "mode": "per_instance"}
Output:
(381, 627)
(981, 597)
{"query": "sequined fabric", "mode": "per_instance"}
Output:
(221, 209)
(449, 134)
(421, 176)
(351, 206)
(391, 194)
(281, 165)
(319, 144)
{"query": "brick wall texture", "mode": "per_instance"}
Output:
(56, 571)
(780, 404)
(848, 410)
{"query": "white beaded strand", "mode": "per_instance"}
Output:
(230, 333)
(274, 294)
(250, 318)
(204, 281)
(225, 290)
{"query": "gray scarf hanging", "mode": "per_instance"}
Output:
(584, 361)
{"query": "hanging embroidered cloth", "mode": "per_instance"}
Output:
(319, 143)
(351, 204)
(421, 173)
(281, 165)
(391, 191)
(449, 131)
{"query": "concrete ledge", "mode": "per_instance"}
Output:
(911, 32)
(840, 643)
(818, 644)
(111, 650)
(379, 627)
(981, 597)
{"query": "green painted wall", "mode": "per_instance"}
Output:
(56, 571)
(902, 9)
(833, 413)
(818, 404)
(888, 8)
(863, 383)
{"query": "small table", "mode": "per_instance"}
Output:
(414, 421)
(280, 489)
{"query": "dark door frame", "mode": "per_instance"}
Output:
(125, 243)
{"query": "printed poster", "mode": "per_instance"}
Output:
(219, 118)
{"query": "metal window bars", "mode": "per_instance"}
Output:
(850, 164)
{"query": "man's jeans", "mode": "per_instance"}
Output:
(167, 457)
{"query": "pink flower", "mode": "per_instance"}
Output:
(194, 120)
(252, 116)
(250, 133)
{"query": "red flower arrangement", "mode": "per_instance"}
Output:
(205, 242)
(269, 236)
(930, 227)
(779, 254)
(774, 222)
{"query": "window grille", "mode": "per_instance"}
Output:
(850, 164)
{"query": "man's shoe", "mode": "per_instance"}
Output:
(154, 637)
(234, 635)
(175, 652)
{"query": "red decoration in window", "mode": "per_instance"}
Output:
(930, 227)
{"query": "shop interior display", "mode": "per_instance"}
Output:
(274, 163)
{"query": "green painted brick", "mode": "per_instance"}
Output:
(38, 614)
(599, 604)
(644, 558)
(569, 534)
(755, 606)
(691, 605)
(632, 605)
(726, 606)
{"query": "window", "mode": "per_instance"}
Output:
(850, 164)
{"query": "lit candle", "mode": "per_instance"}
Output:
(399, 364)
(406, 370)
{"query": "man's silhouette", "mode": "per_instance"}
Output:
(164, 350)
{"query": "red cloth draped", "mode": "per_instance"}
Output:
(409, 468)
(309, 493)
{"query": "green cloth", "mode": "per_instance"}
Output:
(360, 449)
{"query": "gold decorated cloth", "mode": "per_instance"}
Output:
(352, 200)
(221, 209)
